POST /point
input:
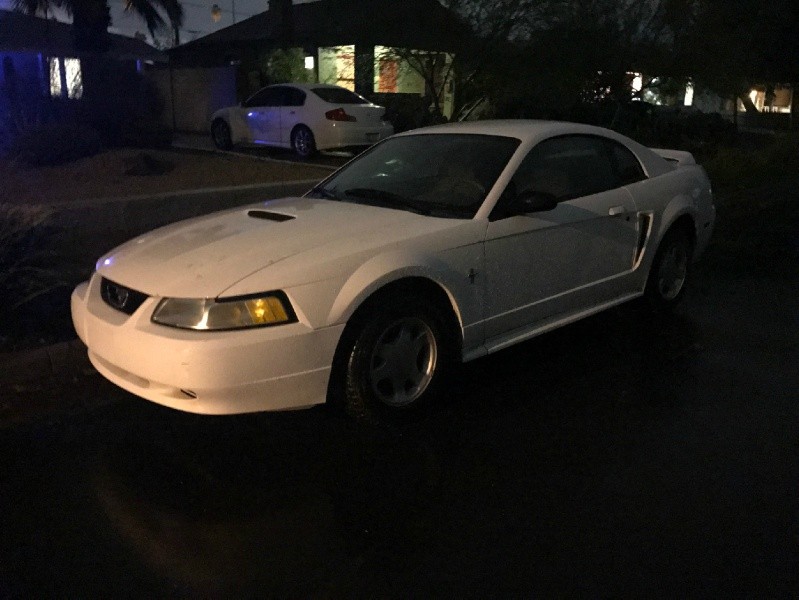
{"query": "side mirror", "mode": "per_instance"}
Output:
(530, 201)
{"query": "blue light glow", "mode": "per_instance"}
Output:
(104, 263)
(250, 114)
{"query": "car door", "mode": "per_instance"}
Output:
(263, 115)
(291, 112)
(544, 265)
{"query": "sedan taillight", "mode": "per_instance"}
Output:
(339, 114)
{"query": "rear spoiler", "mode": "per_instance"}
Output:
(678, 158)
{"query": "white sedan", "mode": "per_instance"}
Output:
(303, 117)
(437, 245)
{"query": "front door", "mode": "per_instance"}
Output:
(545, 264)
(262, 112)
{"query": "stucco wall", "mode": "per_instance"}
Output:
(192, 95)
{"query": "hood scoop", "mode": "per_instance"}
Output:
(269, 216)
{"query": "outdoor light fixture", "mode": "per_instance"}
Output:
(309, 62)
(216, 13)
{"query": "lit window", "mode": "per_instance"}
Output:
(74, 77)
(55, 77)
(689, 95)
(65, 74)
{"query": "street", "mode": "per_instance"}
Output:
(623, 455)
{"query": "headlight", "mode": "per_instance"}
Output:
(270, 308)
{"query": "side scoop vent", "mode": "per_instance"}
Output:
(268, 216)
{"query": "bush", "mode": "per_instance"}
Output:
(54, 144)
(406, 111)
(25, 253)
(741, 167)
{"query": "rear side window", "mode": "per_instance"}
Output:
(338, 96)
(626, 163)
(567, 167)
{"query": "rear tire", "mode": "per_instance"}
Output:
(397, 356)
(220, 132)
(668, 277)
(303, 142)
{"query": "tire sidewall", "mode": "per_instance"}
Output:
(227, 142)
(361, 400)
(294, 147)
(656, 300)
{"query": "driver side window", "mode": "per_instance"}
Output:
(266, 97)
(563, 168)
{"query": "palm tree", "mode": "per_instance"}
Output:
(91, 18)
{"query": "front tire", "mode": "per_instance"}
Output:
(303, 142)
(398, 356)
(220, 132)
(668, 277)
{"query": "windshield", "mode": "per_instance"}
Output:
(444, 175)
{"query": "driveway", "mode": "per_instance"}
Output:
(198, 141)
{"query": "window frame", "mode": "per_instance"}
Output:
(607, 145)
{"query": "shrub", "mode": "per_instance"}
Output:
(25, 253)
(740, 167)
(53, 144)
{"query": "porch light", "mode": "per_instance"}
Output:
(309, 62)
(216, 13)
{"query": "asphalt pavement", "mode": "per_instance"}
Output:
(624, 455)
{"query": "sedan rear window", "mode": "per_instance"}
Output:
(335, 95)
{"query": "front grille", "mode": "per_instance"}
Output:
(120, 297)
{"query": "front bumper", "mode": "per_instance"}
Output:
(225, 372)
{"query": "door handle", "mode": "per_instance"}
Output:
(615, 210)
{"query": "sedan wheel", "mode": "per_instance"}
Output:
(220, 132)
(397, 359)
(669, 274)
(302, 141)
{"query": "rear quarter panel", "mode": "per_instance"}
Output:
(667, 197)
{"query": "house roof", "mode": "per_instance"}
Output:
(418, 24)
(24, 33)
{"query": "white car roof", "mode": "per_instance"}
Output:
(530, 132)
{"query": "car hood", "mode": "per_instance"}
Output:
(205, 256)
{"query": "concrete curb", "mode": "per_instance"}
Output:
(56, 360)
(189, 146)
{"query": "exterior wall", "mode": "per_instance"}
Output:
(192, 95)
(22, 83)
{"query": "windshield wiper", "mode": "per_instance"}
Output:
(325, 193)
(389, 198)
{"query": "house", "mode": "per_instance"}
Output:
(388, 50)
(40, 64)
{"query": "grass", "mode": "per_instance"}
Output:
(103, 176)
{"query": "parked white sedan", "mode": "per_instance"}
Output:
(437, 245)
(303, 117)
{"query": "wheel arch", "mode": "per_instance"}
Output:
(685, 220)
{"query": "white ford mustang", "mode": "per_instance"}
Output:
(437, 245)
